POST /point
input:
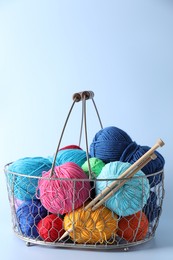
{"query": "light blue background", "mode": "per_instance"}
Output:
(121, 50)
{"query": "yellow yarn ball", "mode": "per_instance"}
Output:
(87, 226)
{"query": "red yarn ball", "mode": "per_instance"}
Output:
(50, 228)
(134, 227)
(72, 146)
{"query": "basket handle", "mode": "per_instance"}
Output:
(83, 95)
(79, 96)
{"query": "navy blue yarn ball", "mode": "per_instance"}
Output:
(28, 215)
(109, 144)
(152, 210)
(134, 151)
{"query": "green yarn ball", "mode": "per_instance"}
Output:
(95, 164)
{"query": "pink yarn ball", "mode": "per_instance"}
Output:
(66, 190)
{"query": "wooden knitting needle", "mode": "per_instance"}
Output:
(65, 234)
(143, 160)
(152, 157)
(121, 183)
(149, 153)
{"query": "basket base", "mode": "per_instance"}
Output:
(123, 246)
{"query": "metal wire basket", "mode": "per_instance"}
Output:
(115, 240)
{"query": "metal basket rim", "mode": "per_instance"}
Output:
(79, 179)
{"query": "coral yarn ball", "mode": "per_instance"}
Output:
(50, 228)
(66, 190)
(109, 144)
(91, 227)
(133, 228)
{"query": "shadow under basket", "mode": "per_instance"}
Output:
(98, 230)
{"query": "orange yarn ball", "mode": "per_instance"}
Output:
(134, 227)
(91, 227)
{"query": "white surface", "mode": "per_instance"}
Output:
(122, 50)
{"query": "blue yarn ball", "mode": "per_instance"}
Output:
(152, 210)
(25, 187)
(134, 151)
(28, 215)
(131, 197)
(77, 156)
(109, 144)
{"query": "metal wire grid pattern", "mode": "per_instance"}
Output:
(113, 242)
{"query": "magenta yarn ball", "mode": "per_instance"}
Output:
(67, 190)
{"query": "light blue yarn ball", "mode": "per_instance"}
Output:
(131, 197)
(70, 155)
(22, 173)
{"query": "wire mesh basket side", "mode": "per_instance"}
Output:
(26, 215)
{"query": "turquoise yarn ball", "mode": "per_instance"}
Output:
(77, 156)
(131, 197)
(24, 182)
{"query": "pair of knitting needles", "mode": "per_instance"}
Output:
(121, 180)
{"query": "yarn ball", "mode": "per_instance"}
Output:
(91, 226)
(95, 164)
(151, 209)
(17, 203)
(134, 151)
(133, 228)
(131, 197)
(77, 156)
(109, 144)
(72, 146)
(28, 215)
(50, 228)
(63, 195)
(25, 187)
